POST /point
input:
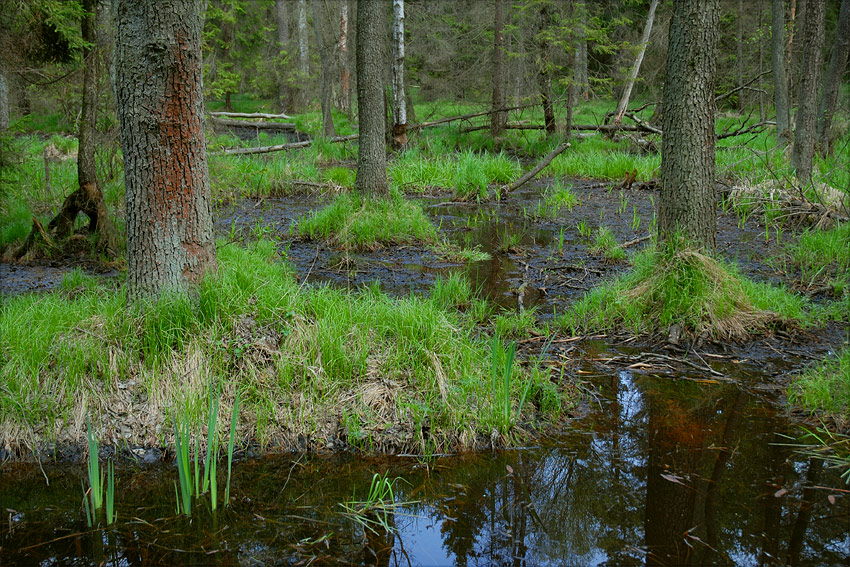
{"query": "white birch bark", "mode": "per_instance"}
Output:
(399, 104)
(644, 40)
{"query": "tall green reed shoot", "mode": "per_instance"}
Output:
(233, 417)
(93, 499)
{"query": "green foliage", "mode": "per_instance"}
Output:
(360, 222)
(375, 512)
(467, 173)
(824, 255)
(517, 325)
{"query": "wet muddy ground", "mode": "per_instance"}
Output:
(674, 458)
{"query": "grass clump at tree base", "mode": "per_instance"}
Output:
(315, 364)
(686, 288)
(362, 223)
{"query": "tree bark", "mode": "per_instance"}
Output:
(780, 78)
(498, 118)
(803, 153)
(86, 169)
(303, 53)
(580, 57)
(344, 73)
(285, 101)
(399, 131)
(687, 201)
(544, 76)
(328, 129)
(832, 81)
(160, 105)
(739, 46)
(644, 41)
(372, 151)
(4, 101)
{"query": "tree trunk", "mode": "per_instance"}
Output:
(86, 169)
(372, 153)
(580, 57)
(284, 90)
(780, 79)
(344, 73)
(795, 47)
(644, 41)
(687, 202)
(160, 104)
(4, 101)
(328, 129)
(303, 53)
(810, 71)
(399, 132)
(739, 45)
(498, 119)
(761, 61)
(544, 76)
(832, 81)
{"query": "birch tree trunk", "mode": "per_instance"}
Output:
(498, 119)
(399, 131)
(687, 203)
(644, 41)
(303, 52)
(344, 72)
(803, 152)
(160, 105)
(780, 78)
(327, 87)
(832, 81)
(372, 150)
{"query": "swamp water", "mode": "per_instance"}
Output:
(665, 468)
(662, 471)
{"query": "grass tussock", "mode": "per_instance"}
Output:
(327, 366)
(361, 223)
(825, 388)
(704, 297)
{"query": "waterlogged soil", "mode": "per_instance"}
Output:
(676, 456)
(667, 468)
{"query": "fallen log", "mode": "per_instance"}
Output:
(253, 124)
(250, 115)
(537, 168)
(281, 147)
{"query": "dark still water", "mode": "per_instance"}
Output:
(662, 472)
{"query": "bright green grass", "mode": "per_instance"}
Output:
(824, 255)
(466, 172)
(699, 294)
(366, 222)
(605, 243)
(301, 356)
(825, 387)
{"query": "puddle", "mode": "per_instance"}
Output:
(662, 471)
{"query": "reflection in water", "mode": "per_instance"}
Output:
(667, 473)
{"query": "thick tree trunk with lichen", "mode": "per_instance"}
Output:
(160, 104)
(687, 202)
(803, 152)
(372, 150)
(4, 101)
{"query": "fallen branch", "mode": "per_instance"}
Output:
(257, 125)
(282, 147)
(537, 168)
(635, 241)
(755, 128)
(250, 115)
(718, 98)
